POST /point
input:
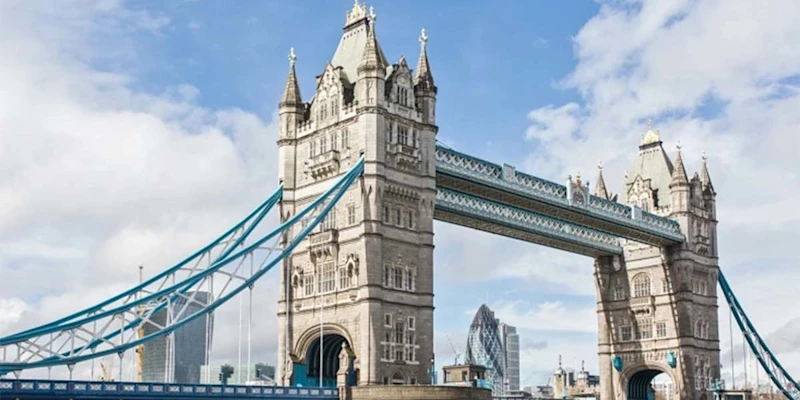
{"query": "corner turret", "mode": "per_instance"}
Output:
(291, 111)
(372, 67)
(424, 88)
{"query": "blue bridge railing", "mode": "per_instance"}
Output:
(47, 389)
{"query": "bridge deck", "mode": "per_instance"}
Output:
(501, 219)
(483, 179)
(48, 389)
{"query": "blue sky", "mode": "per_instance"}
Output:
(162, 117)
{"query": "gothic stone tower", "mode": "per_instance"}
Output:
(365, 276)
(657, 307)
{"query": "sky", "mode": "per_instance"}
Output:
(133, 132)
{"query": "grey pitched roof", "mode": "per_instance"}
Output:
(653, 163)
(351, 49)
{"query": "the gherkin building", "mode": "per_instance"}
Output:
(485, 347)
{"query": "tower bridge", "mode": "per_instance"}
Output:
(362, 180)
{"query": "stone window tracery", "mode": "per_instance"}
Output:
(641, 285)
(402, 135)
(399, 341)
(351, 214)
(661, 329)
(626, 333)
(327, 282)
(644, 328)
(619, 291)
(399, 277)
(345, 139)
(665, 286)
(308, 284)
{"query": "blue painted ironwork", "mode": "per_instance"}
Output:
(37, 347)
(672, 359)
(134, 293)
(47, 389)
(467, 167)
(501, 214)
(617, 363)
(777, 374)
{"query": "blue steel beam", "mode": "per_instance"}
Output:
(503, 184)
(493, 217)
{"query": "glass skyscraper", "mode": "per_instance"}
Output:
(496, 347)
(511, 345)
(190, 343)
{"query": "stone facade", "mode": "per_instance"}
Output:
(417, 393)
(366, 274)
(657, 307)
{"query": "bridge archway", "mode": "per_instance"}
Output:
(641, 383)
(322, 357)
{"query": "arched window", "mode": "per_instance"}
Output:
(641, 285)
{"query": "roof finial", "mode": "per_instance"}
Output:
(704, 156)
(292, 56)
(357, 13)
(372, 16)
(600, 166)
(679, 146)
(423, 38)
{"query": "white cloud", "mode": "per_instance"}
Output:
(546, 316)
(719, 76)
(99, 177)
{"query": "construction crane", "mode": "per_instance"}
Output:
(107, 371)
(454, 349)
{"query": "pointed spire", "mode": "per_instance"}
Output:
(423, 79)
(679, 172)
(705, 178)
(600, 186)
(291, 93)
(372, 60)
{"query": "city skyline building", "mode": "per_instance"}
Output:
(177, 358)
(258, 372)
(494, 345)
(511, 346)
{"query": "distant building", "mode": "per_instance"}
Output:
(511, 344)
(571, 385)
(189, 345)
(664, 390)
(263, 374)
(495, 346)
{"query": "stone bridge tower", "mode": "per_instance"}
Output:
(657, 307)
(363, 280)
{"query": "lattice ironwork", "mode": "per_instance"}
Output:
(474, 169)
(502, 214)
